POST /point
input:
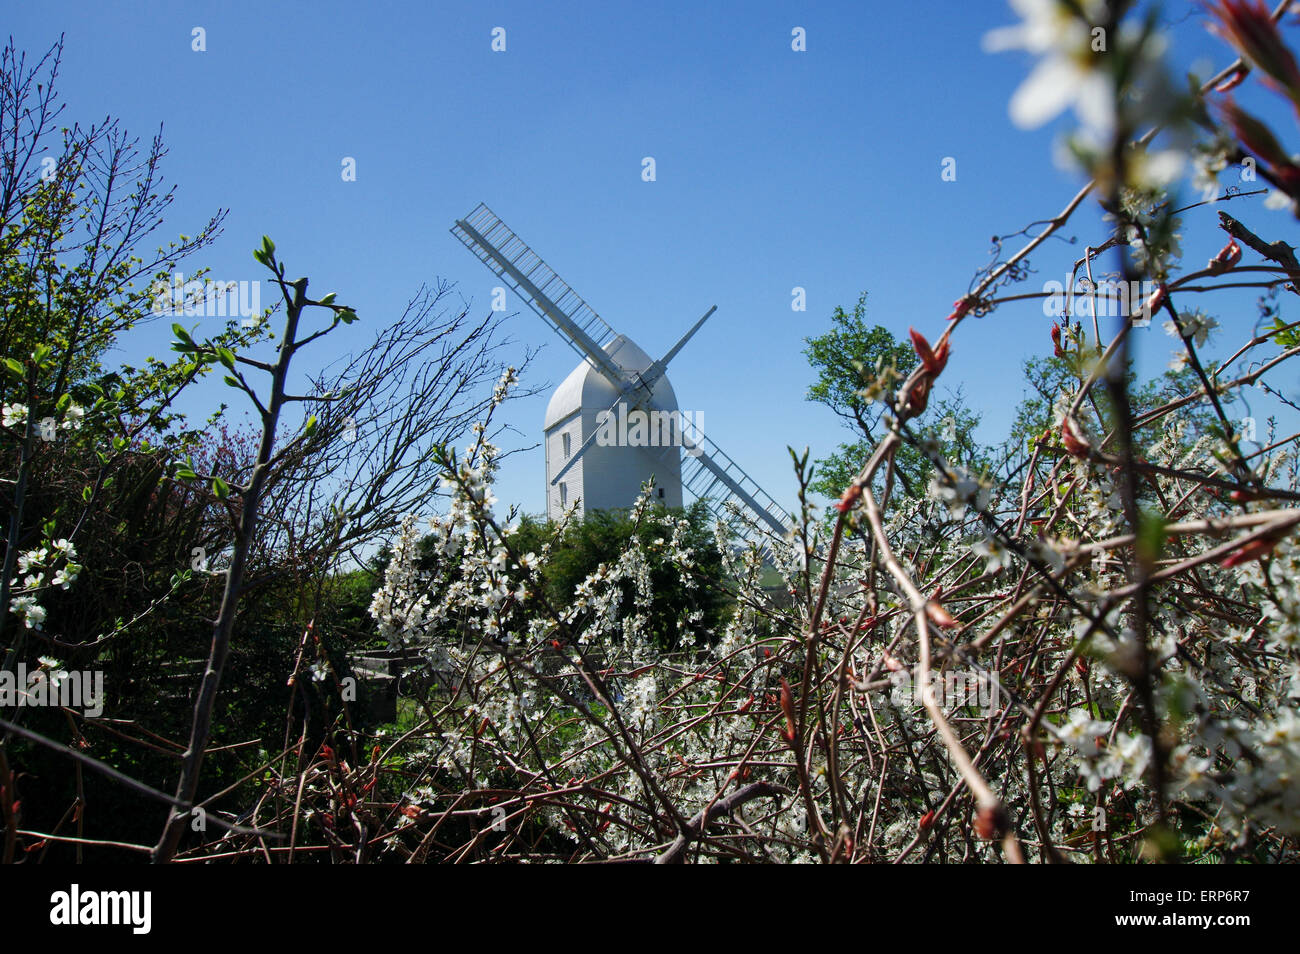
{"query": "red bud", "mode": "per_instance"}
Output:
(1056, 341)
(1156, 301)
(923, 350)
(941, 355)
(1250, 551)
(960, 308)
(849, 498)
(940, 616)
(990, 822)
(787, 706)
(919, 396)
(933, 359)
(1073, 440)
(1228, 256)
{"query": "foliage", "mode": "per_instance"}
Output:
(1080, 645)
(689, 606)
(858, 368)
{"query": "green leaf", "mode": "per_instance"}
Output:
(1286, 337)
(220, 488)
(233, 381)
(185, 343)
(185, 473)
(328, 299)
(226, 357)
(62, 403)
(267, 245)
(1150, 537)
(14, 367)
(347, 316)
(310, 427)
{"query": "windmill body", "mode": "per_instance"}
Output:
(606, 476)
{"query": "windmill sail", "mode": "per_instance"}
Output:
(712, 476)
(707, 472)
(501, 250)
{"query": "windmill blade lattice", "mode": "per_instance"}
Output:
(712, 476)
(501, 250)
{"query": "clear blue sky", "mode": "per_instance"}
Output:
(776, 169)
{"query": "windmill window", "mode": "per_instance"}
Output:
(564, 495)
(566, 446)
(661, 493)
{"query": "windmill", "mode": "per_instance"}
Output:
(615, 381)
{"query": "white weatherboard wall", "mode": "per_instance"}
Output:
(605, 478)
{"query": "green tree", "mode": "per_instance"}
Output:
(858, 366)
(599, 539)
(1049, 377)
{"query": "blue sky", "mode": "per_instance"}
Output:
(775, 169)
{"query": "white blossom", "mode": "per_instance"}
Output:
(13, 415)
(992, 549)
(1196, 325)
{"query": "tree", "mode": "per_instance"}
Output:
(70, 266)
(858, 368)
(127, 527)
(689, 608)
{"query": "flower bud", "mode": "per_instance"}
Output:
(1228, 256)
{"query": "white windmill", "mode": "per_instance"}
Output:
(614, 421)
